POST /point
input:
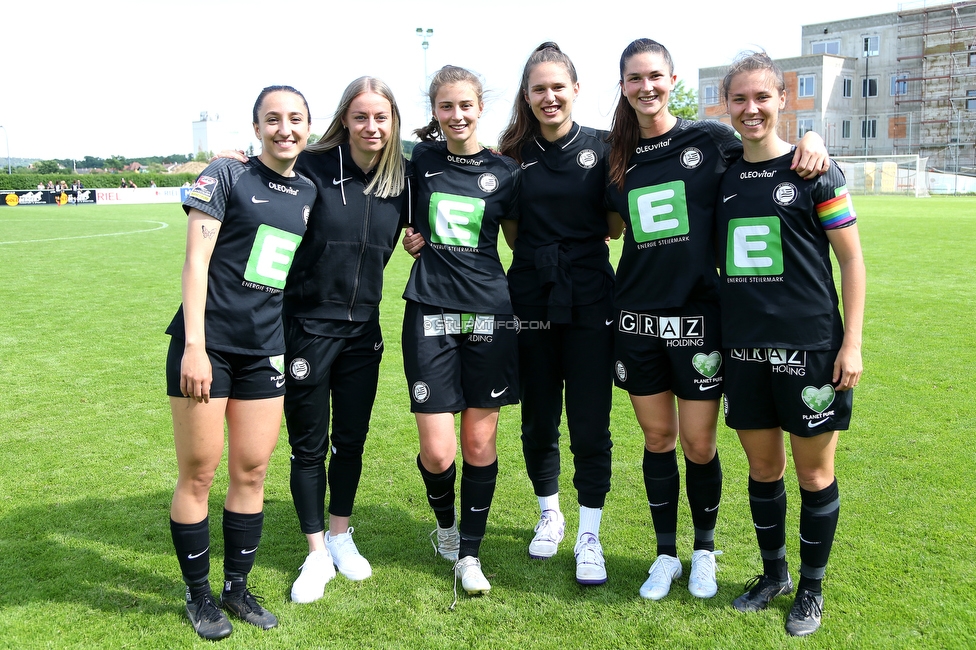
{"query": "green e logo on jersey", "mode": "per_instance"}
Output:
(659, 211)
(271, 256)
(455, 220)
(754, 247)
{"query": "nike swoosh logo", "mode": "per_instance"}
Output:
(764, 527)
(609, 322)
(280, 383)
(725, 199)
(480, 509)
(429, 174)
(499, 393)
(713, 509)
(255, 199)
(807, 541)
(629, 169)
(658, 505)
(529, 164)
(336, 181)
(816, 423)
(377, 346)
(703, 387)
(193, 557)
(244, 551)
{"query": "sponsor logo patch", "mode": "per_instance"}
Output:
(204, 188)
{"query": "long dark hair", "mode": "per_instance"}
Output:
(449, 74)
(624, 129)
(524, 125)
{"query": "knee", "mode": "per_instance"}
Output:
(249, 477)
(198, 483)
(814, 479)
(765, 470)
(436, 461)
(699, 452)
(659, 439)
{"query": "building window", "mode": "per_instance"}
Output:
(848, 87)
(869, 87)
(869, 129)
(845, 129)
(971, 102)
(806, 84)
(826, 47)
(972, 59)
(870, 46)
(899, 84)
(803, 126)
(711, 95)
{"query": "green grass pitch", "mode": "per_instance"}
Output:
(87, 470)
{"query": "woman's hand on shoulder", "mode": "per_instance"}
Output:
(412, 242)
(810, 158)
(196, 373)
(233, 154)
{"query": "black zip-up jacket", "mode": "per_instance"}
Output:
(338, 269)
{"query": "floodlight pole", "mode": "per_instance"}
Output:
(8, 147)
(425, 37)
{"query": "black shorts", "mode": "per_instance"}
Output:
(237, 376)
(674, 349)
(455, 361)
(791, 389)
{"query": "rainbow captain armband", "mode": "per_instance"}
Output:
(838, 211)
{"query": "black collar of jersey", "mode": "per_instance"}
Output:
(563, 142)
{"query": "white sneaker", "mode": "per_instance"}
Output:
(701, 580)
(315, 574)
(548, 533)
(590, 566)
(468, 568)
(665, 569)
(346, 556)
(448, 542)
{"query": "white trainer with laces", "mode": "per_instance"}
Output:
(548, 533)
(468, 568)
(448, 542)
(590, 566)
(701, 580)
(346, 556)
(315, 574)
(665, 569)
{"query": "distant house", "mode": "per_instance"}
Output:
(133, 167)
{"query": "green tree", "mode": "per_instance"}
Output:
(684, 102)
(46, 167)
(203, 156)
(312, 138)
(115, 162)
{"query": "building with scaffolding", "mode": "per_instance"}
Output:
(901, 83)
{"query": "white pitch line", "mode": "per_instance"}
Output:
(107, 234)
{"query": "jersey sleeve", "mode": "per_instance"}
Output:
(512, 209)
(210, 192)
(833, 202)
(724, 137)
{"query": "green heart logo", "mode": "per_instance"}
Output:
(818, 399)
(707, 364)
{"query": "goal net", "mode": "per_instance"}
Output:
(885, 174)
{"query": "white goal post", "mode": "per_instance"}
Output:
(885, 174)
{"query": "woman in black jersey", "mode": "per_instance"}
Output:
(459, 334)
(664, 174)
(791, 360)
(332, 331)
(225, 357)
(562, 291)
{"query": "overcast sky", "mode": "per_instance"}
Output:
(106, 77)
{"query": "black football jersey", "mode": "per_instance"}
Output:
(461, 201)
(777, 286)
(668, 208)
(263, 217)
(561, 201)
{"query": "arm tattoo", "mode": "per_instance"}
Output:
(209, 234)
